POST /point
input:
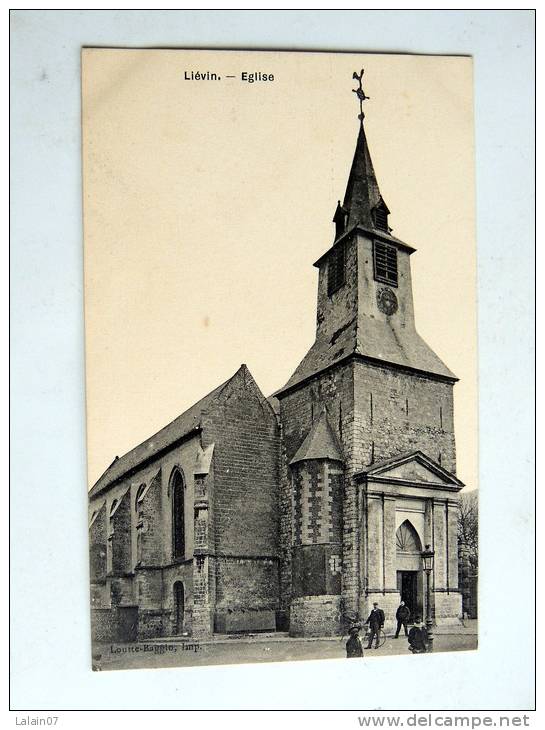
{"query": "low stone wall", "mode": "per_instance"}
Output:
(102, 623)
(114, 624)
(244, 621)
(151, 624)
(315, 616)
(100, 595)
(448, 608)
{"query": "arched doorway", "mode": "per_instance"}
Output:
(409, 568)
(179, 607)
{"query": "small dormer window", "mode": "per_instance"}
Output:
(336, 270)
(340, 219)
(380, 217)
(339, 227)
(385, 263)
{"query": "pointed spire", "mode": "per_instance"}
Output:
(362, 198)
(362, 192)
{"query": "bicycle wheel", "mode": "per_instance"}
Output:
(381, 637)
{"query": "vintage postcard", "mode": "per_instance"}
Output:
(280, 313)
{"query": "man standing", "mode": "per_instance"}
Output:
(402, 617)
(376, 622)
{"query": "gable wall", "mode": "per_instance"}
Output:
(245, 505)
(246, 438)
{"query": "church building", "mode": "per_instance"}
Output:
(287, 513)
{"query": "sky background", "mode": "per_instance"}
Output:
(206, 203)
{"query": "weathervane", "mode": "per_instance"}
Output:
(360, 93)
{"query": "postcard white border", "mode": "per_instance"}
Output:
(49, 599)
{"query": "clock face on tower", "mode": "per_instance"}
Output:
(386, 301)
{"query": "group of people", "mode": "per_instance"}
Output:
(417, 636)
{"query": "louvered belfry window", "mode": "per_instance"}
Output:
(385, 260)
(336, 270)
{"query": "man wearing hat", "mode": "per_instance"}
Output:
(376, 622)
(402, 617)
(354, 646)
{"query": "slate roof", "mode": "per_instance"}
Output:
(375, 339)
(321, 442)
(185, 423)
(362, 191)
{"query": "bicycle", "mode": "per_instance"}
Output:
(381, 636)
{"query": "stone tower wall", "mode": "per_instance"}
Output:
(298, 410)
(398, 412)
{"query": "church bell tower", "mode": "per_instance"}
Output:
(368, 430)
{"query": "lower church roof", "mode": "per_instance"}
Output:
(183, 425)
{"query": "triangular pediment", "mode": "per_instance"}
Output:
(416, 468)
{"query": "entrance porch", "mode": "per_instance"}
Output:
(408, 502)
